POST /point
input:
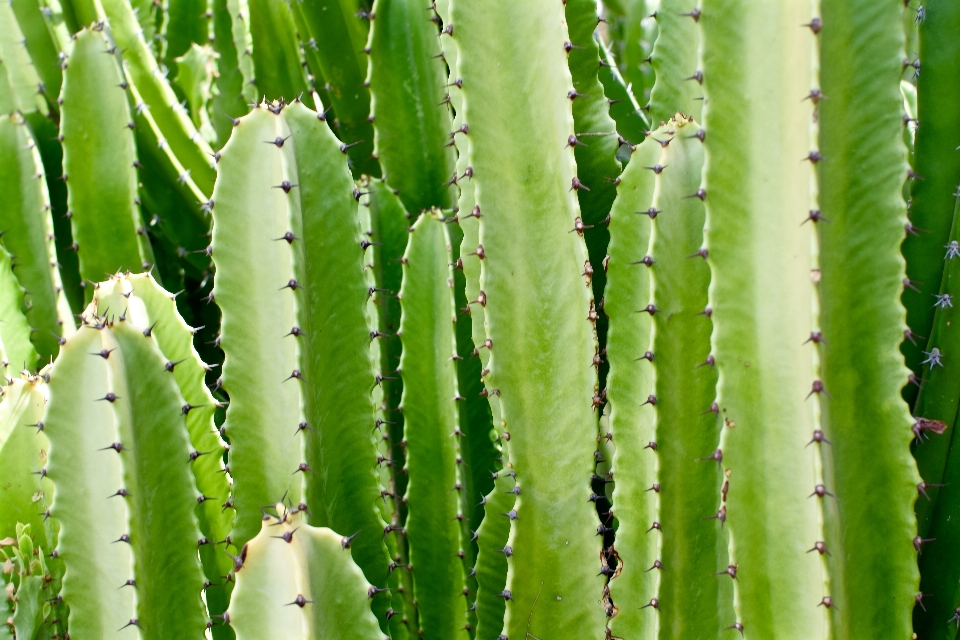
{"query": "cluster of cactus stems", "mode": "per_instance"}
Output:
(497, 320)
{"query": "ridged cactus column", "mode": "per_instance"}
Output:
(536, 305)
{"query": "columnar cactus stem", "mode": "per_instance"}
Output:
(674, 60)
(276, 55)
(20, 71)
(19, 353)
(757, 188)
(937, 167)
(632, 379)
(28, 234)
(297, 582)
(862, 321)
(688, 428)
(432, 430)
(98, 160)
(537, 305)
(412, 123)
(232, 90)
(491, 568)
(624, 109)
(41, 45)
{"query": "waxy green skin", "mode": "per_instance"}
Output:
(28, 234)
(674, 61)
(491, 568)
(536, 300)
(871, 559)
(938, 164)
(18, 353)
(758, 192)
(432, 430)
(185, 22)
(41, 45)
(264, 411)
(20, 72)
(631, 379)
(98, 159)
(314, 564)
(631, 122)
(229, 99)
(692, 549)
(413, 125)
(338, 375)
(175, 340)
(338, 35)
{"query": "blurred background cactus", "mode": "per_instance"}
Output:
(479, 320)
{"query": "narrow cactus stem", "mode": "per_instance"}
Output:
(412, 122)
(276, 57)
(173, 121)
(298, 582)
(631, 122)
(102, 198)
(862, 322)
(537, 305)
(258, 304)
(757, 189)
(19, 354)
(28, 234)
(330, 260)
(674, 60)
(491, 570)
(42, 46)
(89, 521)
(239, 11)
(632, 378)
(937, 166)
(691, 546)
(337, 34)
(229, 99)
(186, 22)
(432, 430)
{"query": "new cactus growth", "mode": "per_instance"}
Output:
(536, 319)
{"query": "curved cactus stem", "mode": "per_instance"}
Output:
(175, 340)
(537, 306)
(936, 506)
(19, 353)
(42, 46)
(338, 35)
(26, 495)
(329, 257)
(178, 210)
(872, 563)
(631, 380)
(624, 109)
(412, 121)
(28, 234)
(162, 529)
(691, 547)
(21, 73)
(98, 159)
(937, 165)
(276, 54)
(674, 61)
(298, 582)
(758, 191)
(78, 425)
(173, 121)
(491, 569)
(251, 213)
(432, 430)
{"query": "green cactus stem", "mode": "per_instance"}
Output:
(624, 109)
(537, 305)
(186, 23)
(42, 46)
(937, 167)
(871, 559)
(20, 72)
(632, 378)
(231, 91)
(276, 56)
(298, 582)
(674, 61)
(19, 354)
(337, 33)
(757, 188)
(28, 234)
(432, 430)
(99, 159)
(412, 123)
(691, 547)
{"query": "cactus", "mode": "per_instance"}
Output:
(498, 361)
